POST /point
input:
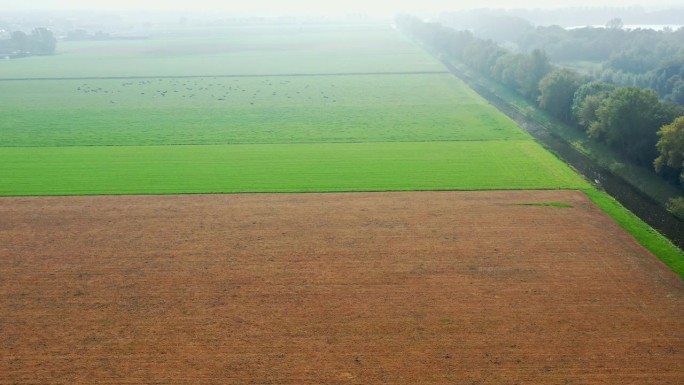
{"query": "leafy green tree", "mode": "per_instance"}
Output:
(499, 27)
(536, 67)
(43, 42)
(587, 100)
(585, 114)
(21, 41)
(677, 94)
(671, 148)
(482, 54)
(628, 120)
(557, 90)
(676, 207)
(615, 23)
(634, 60)
(506, 69)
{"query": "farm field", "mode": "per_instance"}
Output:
(201, 131)
(461, 165)
(251, 50)
(533, 287)
(380, 273)
(232, 110)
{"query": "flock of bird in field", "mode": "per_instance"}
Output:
(212, 88)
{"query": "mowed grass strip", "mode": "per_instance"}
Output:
(282, 168)
(370, 108)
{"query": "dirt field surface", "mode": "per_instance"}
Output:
(365, 288)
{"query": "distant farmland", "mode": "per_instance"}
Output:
(233, 110)
(260, 50)
(327, 130)
(367, 278)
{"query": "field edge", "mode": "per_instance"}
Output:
(652, 240)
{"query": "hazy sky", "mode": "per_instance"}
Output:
(315, 6)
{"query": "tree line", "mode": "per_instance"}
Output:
(634, 121)
(640, 57)
(40, 41)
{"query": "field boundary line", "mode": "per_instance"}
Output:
(139, 77)
(294, 192)
(275, 143)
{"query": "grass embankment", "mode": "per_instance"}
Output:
(655, 242)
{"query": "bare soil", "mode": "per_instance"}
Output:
(363, 288)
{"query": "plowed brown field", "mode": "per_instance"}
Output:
(364, 288)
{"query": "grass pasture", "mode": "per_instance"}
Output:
(459, 165)
(229, 110)
(260, 50)
(329, 129)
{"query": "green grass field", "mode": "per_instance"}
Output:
(306, 49)
(304, 109)
(461, 165)
(327, 129)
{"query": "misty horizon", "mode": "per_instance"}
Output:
(379, 7)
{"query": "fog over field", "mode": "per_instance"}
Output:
(312, 6)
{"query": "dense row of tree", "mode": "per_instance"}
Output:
(661, 71)
(671, 149)
(632, 120)
(40, 41)
(508, 24)
(640, 57)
